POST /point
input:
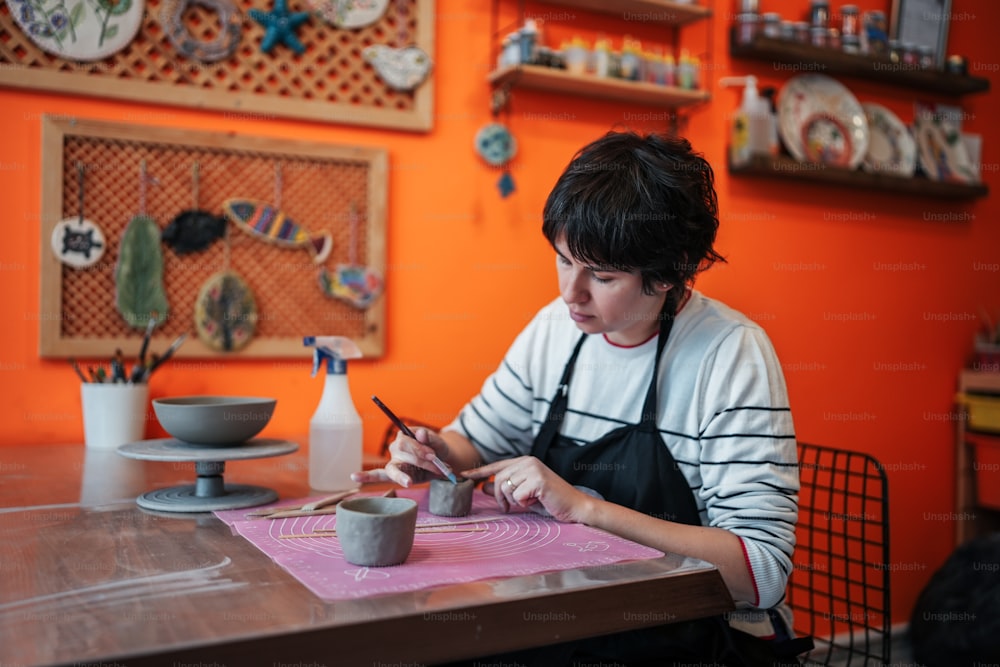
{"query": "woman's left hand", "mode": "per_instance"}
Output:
(525, 481)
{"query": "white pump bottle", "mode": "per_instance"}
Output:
(754, 129)
(335, 436)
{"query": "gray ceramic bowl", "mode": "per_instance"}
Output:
(213, 420)
(376, 531)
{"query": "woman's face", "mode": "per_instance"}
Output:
(606, 300)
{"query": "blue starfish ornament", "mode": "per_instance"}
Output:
(280, 25)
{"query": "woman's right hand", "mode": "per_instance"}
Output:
(409, 460)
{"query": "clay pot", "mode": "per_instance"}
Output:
(376, 532)
(448, 499)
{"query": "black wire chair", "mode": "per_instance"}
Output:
(839, 590)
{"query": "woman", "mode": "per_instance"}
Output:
(637, 405)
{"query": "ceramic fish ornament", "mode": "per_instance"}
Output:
(139, 274)
(269, 224)
(193, 230)
(357, 285)
(401, 69)
(225, 314)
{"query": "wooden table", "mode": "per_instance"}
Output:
(88, 577)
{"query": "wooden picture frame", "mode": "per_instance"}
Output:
(923, 23)
(341, 190)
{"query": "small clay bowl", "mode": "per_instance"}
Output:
(447, 499)
(376, 531)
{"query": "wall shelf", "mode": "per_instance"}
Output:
(831, 61)
(786, 168)
(661, 11)
(552, 80)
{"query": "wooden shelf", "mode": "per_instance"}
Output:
(786, 168)
(651, 11)
(551, 80)
(814, 59)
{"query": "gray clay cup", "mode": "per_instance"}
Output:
(378, 531)
(447, 499)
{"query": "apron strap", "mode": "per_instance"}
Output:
(557, 408)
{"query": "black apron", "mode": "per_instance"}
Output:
(632, 466)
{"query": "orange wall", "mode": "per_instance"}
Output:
(871, 302)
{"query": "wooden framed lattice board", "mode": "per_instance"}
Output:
(374, 70)
(334, 196)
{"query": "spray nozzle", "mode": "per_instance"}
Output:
(336, 350)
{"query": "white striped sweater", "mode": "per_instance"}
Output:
(723, 412)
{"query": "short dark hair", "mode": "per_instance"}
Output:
(635, 202)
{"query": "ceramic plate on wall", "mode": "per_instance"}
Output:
(891, 148)
(943, 154)
(819, 120)
(83, 30)
(350, 13)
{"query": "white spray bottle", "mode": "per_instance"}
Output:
(335, 444)
(754, 130)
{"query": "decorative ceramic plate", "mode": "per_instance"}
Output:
(79, 29)
(821, 121)
(495, 144)
(891, 148)
(943, 154)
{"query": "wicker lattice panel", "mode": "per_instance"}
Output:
(329, 82)
(315, 185)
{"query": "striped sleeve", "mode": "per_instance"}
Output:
(749, 465)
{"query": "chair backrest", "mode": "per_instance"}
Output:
(839, 589)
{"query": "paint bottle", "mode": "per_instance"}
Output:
(335, 444)
(753, 130)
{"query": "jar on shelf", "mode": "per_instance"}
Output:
(802, 32)
(895, 51)
(669, 70)
(817, 35)
(771, 26)
(850, 21)
(911, 58)
(832, 38)
(850, 44)
(576, 54)
(631, 62)
(925, 57)
(747, 26)
(819, 13)
(876, 32)
(787, 32)
(686, 75)
(602, 57)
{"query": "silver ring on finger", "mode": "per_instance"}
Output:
(511, 484)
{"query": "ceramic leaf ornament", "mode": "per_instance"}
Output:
(140, 294)
(225, 312)
(139, 274)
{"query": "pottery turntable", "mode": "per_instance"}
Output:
(209, 492)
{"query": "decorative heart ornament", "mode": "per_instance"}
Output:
(401, 69)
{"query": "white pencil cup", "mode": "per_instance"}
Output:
(113, 414)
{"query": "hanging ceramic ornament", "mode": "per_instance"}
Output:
(280, 26)
(268, 223)
(497, 146)
(220, 48)
(225, 313)
(194, 229)
(350, 13)
(140, 294)
(401, 68)
(78, 242)
(354, 283)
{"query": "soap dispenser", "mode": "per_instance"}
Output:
(753, 129)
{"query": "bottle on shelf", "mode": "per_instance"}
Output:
(754, 126)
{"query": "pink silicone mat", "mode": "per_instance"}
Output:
(517, 544)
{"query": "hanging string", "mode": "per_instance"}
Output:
(402, 15)
(142, 187)
(352, 251)
(195, 183)
(79, 183)
(277, 186)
